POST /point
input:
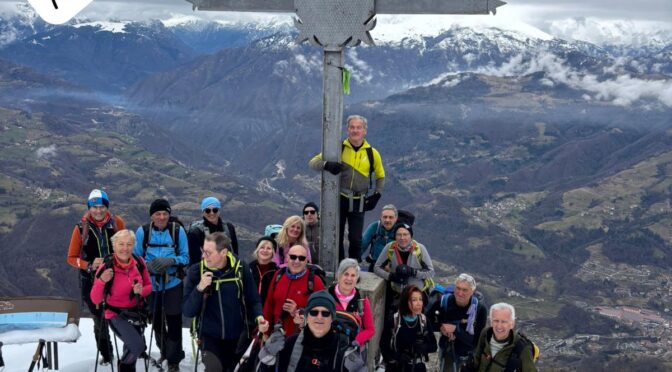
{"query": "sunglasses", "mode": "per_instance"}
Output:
(294, 257)
(211, 210)
(324, 313)
(309, 211)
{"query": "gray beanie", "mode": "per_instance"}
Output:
(322, 298)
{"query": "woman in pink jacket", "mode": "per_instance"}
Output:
(121, 284)
(348, 299)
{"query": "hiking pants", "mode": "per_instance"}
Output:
(168, 334)
(134, 343)
(100, 329)
(355, 221)
(219, 355)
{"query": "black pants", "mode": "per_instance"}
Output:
(219, 355)
(167, 323)
(134, 342)
(100, 328)
(355, 221)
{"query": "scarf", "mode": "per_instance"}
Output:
(295, 276)
(99, 224)
(472, 315)
(343, 299)
(121, 265)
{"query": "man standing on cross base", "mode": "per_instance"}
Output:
(359, 162)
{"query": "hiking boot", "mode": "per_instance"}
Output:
(104, 362)
(173, 368)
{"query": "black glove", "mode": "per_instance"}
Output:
(420, 347)
(406, 271)
(394, 278)
(160, 264)
(370, 201)
(333, 167)
(369, 259)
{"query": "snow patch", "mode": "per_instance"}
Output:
(109, 26)
(46, 152)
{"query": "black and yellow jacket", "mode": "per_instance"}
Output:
(355, 175)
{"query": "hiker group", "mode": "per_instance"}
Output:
(278, 312)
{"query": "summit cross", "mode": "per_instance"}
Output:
(334, 25)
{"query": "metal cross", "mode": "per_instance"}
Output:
(333, 25)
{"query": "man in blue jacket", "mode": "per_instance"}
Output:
(163, 245)
(221, 291)
(378, 234)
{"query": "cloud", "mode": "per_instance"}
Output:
(361, 71)
(622, 90)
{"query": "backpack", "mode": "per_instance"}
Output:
(272, 230)
(173, 223)
(406, 217)
(347, 324)
(314, 270)
(199, 225)
(514, 362)
(345, 321)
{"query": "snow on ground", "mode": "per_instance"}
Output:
(80, 356)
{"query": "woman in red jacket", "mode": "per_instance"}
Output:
(348, 299)
(120, 284)
(290, 289)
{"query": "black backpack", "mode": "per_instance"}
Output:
(406, 217)
(173, 224)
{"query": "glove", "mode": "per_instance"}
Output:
(160, 264)
(333, 167)
(420, 347)
(405, 271)
(273, 345)
(369, 259)
(371, 201)
(353, 361)
(395, 278)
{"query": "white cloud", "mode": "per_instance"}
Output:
(622, 90)
(360, 70)
(618, 32)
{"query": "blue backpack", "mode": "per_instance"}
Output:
(438, 299)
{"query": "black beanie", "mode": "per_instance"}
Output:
(159, 205)
(268, 238)
(405, 226)
(311, 204)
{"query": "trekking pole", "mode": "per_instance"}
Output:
(199, 343)
(101, 338)
(163, 314)
(455, 360)
(151, 331)
(138, 307)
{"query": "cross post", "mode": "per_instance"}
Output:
(334, 25)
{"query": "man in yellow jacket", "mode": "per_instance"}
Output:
(359, 163)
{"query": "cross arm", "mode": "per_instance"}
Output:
(381, 6)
